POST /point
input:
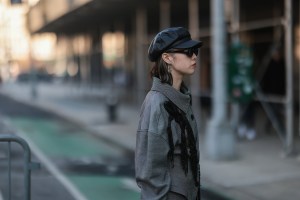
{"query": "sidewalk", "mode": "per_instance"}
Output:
(260, 172)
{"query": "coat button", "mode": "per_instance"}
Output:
(192, 117)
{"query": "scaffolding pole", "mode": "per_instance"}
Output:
(289, 78)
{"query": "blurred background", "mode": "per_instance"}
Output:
(74, 73)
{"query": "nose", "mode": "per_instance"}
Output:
(194, 56)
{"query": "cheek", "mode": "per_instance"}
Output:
(182, 64)
(185, 64)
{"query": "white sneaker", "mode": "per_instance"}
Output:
(242, 131)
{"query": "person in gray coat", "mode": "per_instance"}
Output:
(167, 151)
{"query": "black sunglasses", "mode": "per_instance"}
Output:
(189, 52)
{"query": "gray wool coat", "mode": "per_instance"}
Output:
(155, 175)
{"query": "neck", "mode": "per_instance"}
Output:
(177, 80)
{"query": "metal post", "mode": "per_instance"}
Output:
(220, 140)
(164, 14)
(218, 60)
(33, 75)
(9, 170)
(28, 165)
(289, 78)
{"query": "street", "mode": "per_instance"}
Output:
(74, 75)
(94, 167)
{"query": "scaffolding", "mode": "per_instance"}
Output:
(282, 27)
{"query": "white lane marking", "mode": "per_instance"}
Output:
(130, 184)
(54, 170)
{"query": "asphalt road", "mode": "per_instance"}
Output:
(88, 165)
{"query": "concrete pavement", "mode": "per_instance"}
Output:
(260, 172)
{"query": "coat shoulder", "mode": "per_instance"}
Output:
(153, 114)
(154, 100)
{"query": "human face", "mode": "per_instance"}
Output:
(184, 61)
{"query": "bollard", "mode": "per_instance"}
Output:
(112, 107)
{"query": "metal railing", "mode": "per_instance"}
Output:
(28, 165)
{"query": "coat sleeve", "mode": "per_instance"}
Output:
(151, 164)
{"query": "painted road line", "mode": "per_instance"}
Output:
(53, 169)
(130, 184)
(88, 185)
(48, 164)
(1, 197)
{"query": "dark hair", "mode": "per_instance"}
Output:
(160, 70)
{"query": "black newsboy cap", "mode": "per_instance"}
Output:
(174, 37)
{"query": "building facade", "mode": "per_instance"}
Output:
(100, 41)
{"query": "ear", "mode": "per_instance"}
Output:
(167, 58)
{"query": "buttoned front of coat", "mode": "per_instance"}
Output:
(155, 174)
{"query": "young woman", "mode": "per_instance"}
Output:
(167, 152)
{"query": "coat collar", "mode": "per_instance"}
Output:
(181, 99)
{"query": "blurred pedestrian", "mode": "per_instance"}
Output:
(273, 81)
(273, 85)
(167, 151)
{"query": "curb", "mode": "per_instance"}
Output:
(61, 114)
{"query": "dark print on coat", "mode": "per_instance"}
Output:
(188, 143)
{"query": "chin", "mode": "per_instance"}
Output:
(191, 72)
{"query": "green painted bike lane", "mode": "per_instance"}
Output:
(63, 141)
